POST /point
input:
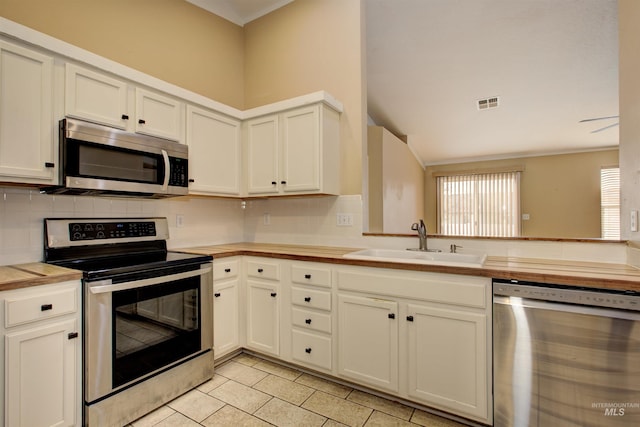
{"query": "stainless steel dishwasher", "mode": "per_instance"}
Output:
(565, 356)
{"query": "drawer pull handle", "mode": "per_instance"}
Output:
(273, 294)
(307, 350)
(192, 180)
(125, 117)
(49, 165)
(45, 307)
(307, 276)
(72, 335)
(283, 182)
(307, 321)
(392, 316)
(260, 270)
(217, 294)
(227, 270)
(273, 183)
(409, 318)
(142, 121)
(307, 299)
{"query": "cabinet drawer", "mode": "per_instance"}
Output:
(312, 349)
(225, 270)
(263, 270)
(311, 298)
(311, 320)
(25, 309)
(311, 276)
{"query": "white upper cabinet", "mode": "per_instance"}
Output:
(158, 115)
(99, 98)
(294, 152)
(95, 97)
(26, 116)
(215, 161)
(262, 155)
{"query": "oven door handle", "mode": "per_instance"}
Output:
(105, 286)
(167, 170)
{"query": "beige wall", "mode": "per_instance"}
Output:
(396, 183)
(168, 39)
(304, 47)
(307, 46)
(629, 93)
(560, 193)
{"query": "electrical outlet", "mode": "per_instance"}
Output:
(179, 221)
(344, 220)
(633, 221)
(526, 217)
(266, 218)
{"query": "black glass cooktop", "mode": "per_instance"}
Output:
(122, 259)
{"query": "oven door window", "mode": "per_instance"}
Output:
(154, 327)
(118, 164)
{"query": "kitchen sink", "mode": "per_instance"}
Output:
(419, 257)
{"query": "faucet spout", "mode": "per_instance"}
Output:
(421, 228)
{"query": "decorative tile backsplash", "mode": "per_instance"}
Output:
(207, 221)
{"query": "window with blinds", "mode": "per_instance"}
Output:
(610, 202)
(486, 204)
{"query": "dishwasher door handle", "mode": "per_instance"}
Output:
(528, 303)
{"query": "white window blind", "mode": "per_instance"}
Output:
(486, 204)
(610, 202)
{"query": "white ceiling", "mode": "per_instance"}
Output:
(552, 63)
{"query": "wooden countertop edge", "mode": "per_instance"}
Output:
(619, 277)
(31, 275)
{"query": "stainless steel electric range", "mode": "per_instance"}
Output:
(147, 313)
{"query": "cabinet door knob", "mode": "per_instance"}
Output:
(192, 180)
(227, 270)
(273, 183)
(283, 182)
(307, 299)
(409, 318)
(217, 294)
(392, 316)
(45, 307)
(273, 294)
(142, 121)
(49, 165)
(260, 270)
(307, 321)
(125, 117)
(307, 350)
(307, 276)
(72, 335)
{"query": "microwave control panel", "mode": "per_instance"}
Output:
(111, 230)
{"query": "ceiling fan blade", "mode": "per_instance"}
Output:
(598, 118)
(604, 128)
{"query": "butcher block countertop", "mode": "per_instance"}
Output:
(34, 274)
(574, 273)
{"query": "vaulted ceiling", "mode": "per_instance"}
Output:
(550, 63)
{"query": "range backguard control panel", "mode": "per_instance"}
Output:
(110, 230)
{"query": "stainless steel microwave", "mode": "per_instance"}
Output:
(99, 160)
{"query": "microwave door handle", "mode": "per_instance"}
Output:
(167, 170)
(105, 286)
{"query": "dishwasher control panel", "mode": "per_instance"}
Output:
(624, 300)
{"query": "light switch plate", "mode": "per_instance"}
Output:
(633, 219)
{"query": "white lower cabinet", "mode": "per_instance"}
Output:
(422, 336)
(263, 306)
(42, 355)
(368, 341)
(226, 306)
(447, 362)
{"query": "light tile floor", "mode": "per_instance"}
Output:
(249, 391)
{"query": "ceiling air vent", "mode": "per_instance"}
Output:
(488, 103)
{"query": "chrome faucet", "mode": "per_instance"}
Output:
(422, 234)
